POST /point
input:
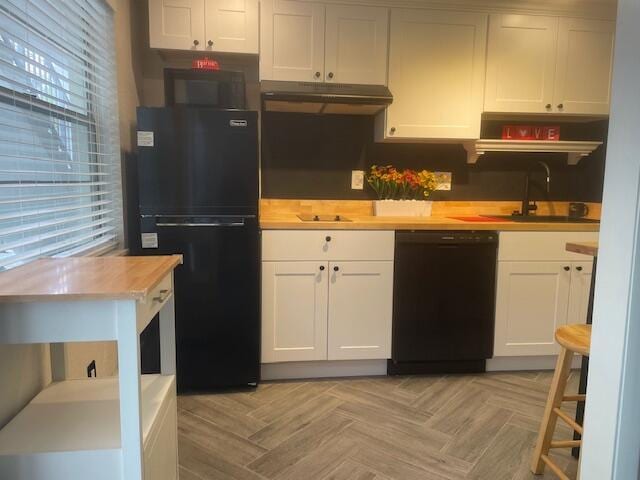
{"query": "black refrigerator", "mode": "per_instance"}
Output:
(198, 196)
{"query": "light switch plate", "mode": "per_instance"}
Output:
(443, 180)
(357, 179)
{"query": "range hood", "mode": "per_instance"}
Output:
(321, 98)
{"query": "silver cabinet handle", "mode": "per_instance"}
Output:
(163, 295)
(215, 224)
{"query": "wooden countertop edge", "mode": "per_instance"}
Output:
(585, 248)
(429, 223)
(177, 259)
(140, 294)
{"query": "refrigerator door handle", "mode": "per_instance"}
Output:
(212, 224)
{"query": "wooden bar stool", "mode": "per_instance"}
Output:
(573, 339)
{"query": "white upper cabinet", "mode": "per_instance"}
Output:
(229, 26)
(176, 24)
(584, 66)
(521, 63)
(539, 64)
(360, 310)
(302, 41)
(291, 41)
(436, 75)
(232, 26)
(356, 40)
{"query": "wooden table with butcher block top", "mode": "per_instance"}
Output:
(106, 428)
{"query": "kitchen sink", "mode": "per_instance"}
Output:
(544, 219)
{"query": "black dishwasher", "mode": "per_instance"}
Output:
(444, 301)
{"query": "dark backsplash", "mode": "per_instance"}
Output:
(311, 156)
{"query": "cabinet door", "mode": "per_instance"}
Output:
(580, 288)
(294, 311)
(231, 26)
(176, 24)
(584, 66)
(356, 44)
(531, 302)
(521, 62)
(436, 74)
(291, 41)
(360, 309)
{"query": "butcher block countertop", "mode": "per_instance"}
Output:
(86, 278)
(446, 215)
(289, 221)
(586, 248)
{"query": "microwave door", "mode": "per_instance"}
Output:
(200, 88)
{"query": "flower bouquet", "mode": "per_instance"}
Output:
(401, 193)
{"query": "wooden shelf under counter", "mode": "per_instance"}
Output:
(77, 421)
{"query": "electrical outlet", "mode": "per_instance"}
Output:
(357, 179)
(443, 180)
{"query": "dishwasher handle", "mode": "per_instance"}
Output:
(210, 224)
(447, 238)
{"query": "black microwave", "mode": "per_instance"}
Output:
(203, 88)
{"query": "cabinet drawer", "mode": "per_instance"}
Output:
(154, 301)
(292, 245)
(541, 246)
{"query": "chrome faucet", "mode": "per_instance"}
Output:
(527, 207)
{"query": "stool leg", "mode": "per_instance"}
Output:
(558, 386)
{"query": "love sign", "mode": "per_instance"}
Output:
(530, 132)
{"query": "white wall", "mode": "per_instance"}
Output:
(612, 438)
(129, 35)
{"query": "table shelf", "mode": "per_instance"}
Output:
(72, 421)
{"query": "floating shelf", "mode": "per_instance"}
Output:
(575, 150)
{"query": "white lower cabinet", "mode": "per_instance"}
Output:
(294, 311)
(531, 303)
(360, 308)
(580, 289)
(315, 307)
(540, 287)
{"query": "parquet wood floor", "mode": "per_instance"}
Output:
(475, 427)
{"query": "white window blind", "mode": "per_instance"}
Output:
(60, 190)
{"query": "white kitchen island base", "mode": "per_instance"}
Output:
(122, 428)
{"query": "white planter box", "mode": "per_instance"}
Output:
(402, 208)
